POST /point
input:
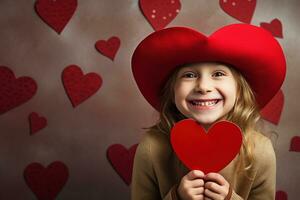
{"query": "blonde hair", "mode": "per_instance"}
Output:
(245, 113)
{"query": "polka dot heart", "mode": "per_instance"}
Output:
(36, 122)
(47, 182)
(56, 13)
(80, 87)
(160, 13)
(14, 91)
(108, 48)
(122, 160)
(241, 10)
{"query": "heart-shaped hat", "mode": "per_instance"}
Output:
(253, 51)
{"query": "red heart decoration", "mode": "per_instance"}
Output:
(241, 10)
(14, 92)
(208, 152)
(121, 160)
(272, 111)
(36, 122)
(160, 13)
(281, 195)
(56, 13)
(295, 144)
(80, 87)
(108, 48)
(46, 183)
(275, 27)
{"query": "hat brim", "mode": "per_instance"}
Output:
(251, 50)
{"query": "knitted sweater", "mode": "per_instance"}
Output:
(157, 170)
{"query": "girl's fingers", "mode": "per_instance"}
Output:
(208, 193)
(195, 174)
(214, 187)
(215, 177)
(198, 191)
(197, 183)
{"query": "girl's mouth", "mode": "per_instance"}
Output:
(204, 104)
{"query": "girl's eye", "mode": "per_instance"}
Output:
(217, 74)
(189, 75)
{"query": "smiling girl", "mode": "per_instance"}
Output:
(229, 75)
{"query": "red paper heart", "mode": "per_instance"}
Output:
(281, 195)
(121, 160)
(208, 152)
(295, 144)
(14, 92)
(108, 48)
(36, 122)
(241, 10)
(275, 27)
(56, 13)
(160, 13)
(272, 111)
(80, 87)
(46, 183)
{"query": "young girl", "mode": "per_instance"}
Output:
(229, 75)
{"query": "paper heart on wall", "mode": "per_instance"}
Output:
(108, 48)
(56, 13)
(78, 86)
(46, 183)
(159, 13)
(295, 144)
(275, 27)
(241, 10)
(272, 111)
(208, 152)
(281, 195)
(121, 160)
(36, 122)
(14, 91)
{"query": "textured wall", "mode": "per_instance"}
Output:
(79, 137)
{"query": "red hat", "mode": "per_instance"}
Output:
(253, 51)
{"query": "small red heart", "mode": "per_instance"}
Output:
(46, 183)
(80, 87)
(272, 111)
(241, 10)
(121, 160)
(295, 144)
(56, 13)
(275, 27)
(160, 13)
(108, 48)
(281, 195)
(208, 152)
(14, 92)
(36, 122)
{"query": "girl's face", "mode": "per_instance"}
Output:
(205, 92)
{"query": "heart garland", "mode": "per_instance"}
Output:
(14, 91)
(121, 160)
(56, 13)
(46, 183)
(208, 152)
(80, 87)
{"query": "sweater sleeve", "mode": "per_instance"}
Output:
(144, 183)
(264, 185)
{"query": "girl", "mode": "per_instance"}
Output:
(229, 75)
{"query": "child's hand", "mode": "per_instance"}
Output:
(191, 186)
(216, 186)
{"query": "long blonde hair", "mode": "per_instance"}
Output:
(244, 113)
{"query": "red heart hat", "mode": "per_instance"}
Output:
(252, 50)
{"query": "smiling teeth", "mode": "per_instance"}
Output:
(206, 103)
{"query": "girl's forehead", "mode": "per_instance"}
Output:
(205, 65)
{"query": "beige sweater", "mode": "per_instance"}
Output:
(157, 169)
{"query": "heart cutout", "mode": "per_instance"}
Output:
(275, 27)
(56, 13)
(241, 10)
(121, 160)
(36, 122)
(46, 183)
(14, 92)
(272, 111)
(208, 152)
(108, 48)
(78, 86)
(295, 144)
(281, 195)
(159, 13)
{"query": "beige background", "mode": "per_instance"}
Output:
(116, 113)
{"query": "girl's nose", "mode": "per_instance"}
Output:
(203, 85)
